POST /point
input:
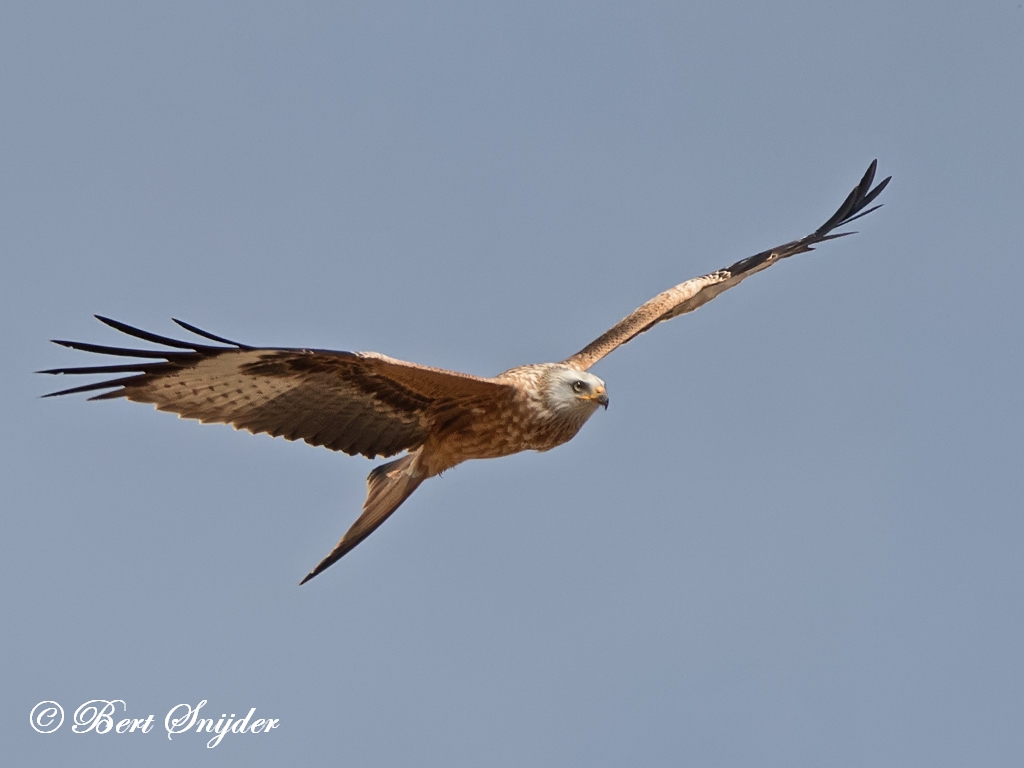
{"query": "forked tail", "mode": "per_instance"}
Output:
(387, 487)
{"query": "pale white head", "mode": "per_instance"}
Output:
(574, 393)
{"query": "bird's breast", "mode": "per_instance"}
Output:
(492, 432)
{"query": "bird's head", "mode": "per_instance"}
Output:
(574, 391)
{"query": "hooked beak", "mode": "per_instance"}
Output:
(601, 396)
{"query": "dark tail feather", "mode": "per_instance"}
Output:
(387, 487)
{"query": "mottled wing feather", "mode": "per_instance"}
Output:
(690, 295)
(359, 403)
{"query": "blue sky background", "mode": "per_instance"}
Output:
(795, 537)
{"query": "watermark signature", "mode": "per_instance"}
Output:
(101, 716)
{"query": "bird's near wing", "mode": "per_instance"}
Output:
(687, 296)
(356, 402)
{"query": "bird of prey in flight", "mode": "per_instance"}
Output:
(369, 404)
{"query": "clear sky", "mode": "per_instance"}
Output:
(793, 540)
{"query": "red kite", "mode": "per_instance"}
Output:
(369, 404)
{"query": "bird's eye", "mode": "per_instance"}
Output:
(577, 386)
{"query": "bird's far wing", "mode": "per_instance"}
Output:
(359, 403)
(694, 293)
(386, 488)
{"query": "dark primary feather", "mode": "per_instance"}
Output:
(138, 333)
(359, 403)
(691, 294)
(208, 335)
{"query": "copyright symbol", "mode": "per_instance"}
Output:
(46, 716)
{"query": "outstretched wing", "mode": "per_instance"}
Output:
(687, 296)
(356, 402)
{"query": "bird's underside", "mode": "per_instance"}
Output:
(366, 403)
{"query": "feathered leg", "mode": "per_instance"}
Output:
(387, 487)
